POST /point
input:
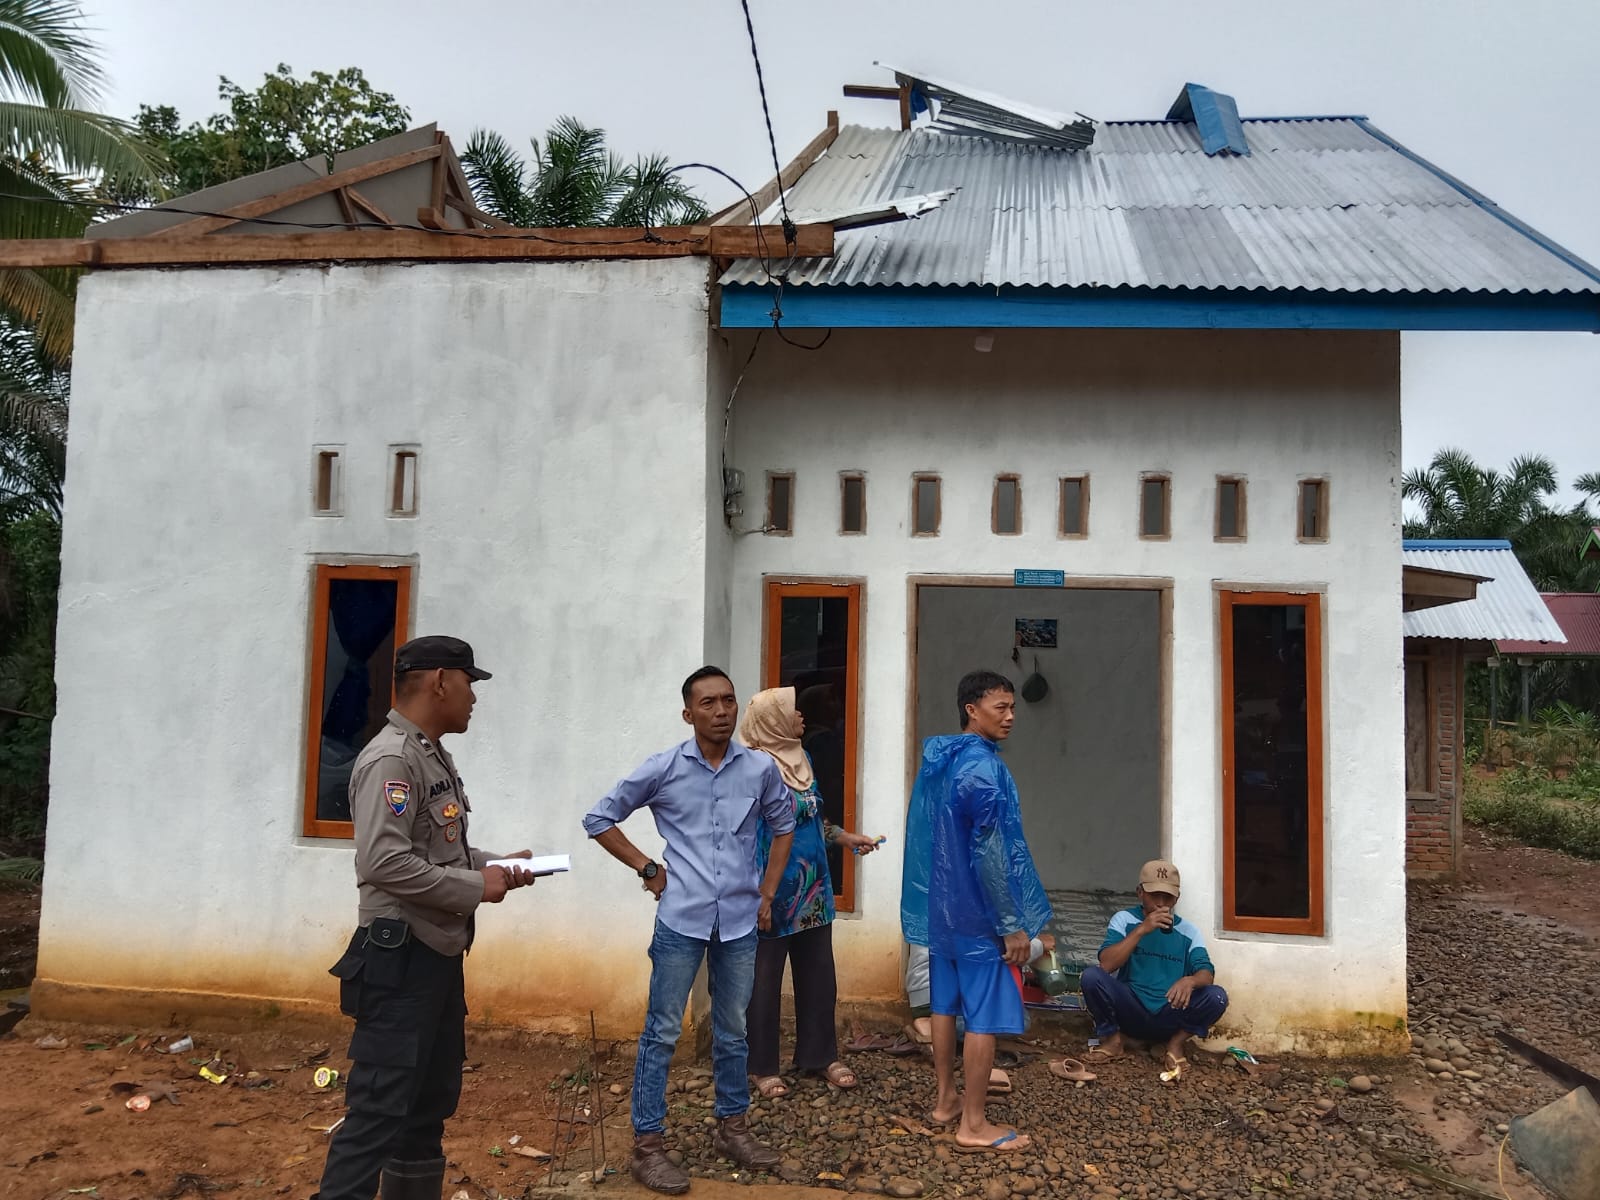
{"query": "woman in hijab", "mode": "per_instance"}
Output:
(802, 912)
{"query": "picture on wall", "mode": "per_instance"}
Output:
(1036, 633)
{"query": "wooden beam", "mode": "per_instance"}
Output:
(431, 218)
(862, 91)
(346, 209)
(680, 241)
(905, 106)
(467, 208)
(801, 164)
(372, 209)
(309, 190)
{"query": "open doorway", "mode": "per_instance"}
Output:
(1088, 750)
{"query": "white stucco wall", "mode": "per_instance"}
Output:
(562, 420)
(1270, 406)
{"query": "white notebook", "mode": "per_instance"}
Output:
(548, 864)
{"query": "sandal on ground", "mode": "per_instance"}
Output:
(902, 1047)
(840, 1075)
(870, 1041)
(771, 1087)
(1177, 1067)
(1099, 1055)
(1010, 1142)
(1071, 1068)
(999, 1083)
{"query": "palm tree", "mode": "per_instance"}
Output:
(33, 427)
(55, 152)
(573, 180)
(1460, 499)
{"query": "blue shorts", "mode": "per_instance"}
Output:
(986, 995)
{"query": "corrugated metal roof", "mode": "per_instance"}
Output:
(1323, 203)
(1578, 614)
(1507, 605)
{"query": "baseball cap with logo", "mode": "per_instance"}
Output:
(1158, 875)
(432, 653)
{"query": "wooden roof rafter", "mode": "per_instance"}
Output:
(326, 216)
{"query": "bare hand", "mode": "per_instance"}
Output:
(517, 876)
(764, 914)
(859, 842)
(657, 885)
(1016, 947)
(1179, 993)
(1048, 941)
(495, 883)
(1157, 920)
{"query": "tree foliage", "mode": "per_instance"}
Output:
(283, 121)
(56, 153)
(572, 179)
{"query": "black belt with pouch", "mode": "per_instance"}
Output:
(371, 956)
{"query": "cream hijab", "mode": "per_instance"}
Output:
(769, 724)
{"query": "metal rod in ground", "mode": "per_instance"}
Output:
(555, 1146)
(594, 1077)
(593, 1172)
(572, 1126)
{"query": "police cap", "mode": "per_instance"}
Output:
(432, 653)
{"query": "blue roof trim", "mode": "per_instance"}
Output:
(1483, 202)
(1215, 115)
(749, 306)
(1455, 544)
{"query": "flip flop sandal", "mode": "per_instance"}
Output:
(1099, 1056)
(999, 1083)
(1009, 1143)
(836, 1073)
(1071, 1068)
(871, 1041)
(771, 1087)
(1176, 1069)
(902, 1047)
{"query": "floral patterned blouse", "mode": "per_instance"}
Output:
(805, 894)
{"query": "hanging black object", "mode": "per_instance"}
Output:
(1034, 687)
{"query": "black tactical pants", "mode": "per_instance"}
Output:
(409, 1045)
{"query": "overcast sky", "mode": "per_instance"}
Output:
(1500, 94)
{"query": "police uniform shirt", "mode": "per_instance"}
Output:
(412, 858)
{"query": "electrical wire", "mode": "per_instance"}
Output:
(766, 112)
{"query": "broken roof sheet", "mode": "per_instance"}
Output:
(1507, 604)
(1324, 204)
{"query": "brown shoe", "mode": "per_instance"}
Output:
(734, 1140)
(654, 1169)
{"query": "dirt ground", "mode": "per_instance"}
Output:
(68, 1130)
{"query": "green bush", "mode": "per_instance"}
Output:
(1529, 814)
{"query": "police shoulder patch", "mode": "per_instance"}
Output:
(451, 811)
(397, 792)
(450, 832)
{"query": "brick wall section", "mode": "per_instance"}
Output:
(1433, 816)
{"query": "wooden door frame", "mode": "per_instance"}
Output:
(1110, 583)
(316, 674)
(1313, 601)
(774, 590)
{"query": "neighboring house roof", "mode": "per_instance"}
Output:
(1591, 544)
(1318, 203)
(1507, 604)
(1578, 614)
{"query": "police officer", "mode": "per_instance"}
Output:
(420, 882)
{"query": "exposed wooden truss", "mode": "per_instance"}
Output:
(438, 222)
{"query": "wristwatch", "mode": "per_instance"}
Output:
(650, 870)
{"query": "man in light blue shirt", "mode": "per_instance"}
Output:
(706, 796)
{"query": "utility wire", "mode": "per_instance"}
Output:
(766, 112)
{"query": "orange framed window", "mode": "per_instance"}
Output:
(359, 615)
(1272, 762)
(812, 638)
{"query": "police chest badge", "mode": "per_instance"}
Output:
(451, 811)
(397, 792)
(450, 832)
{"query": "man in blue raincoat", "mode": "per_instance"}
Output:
(972, 896)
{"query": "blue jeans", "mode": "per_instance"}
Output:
(731, 970)
(1114, 1006)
